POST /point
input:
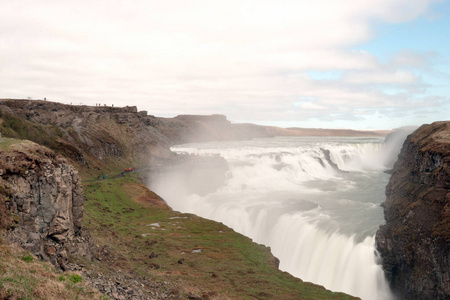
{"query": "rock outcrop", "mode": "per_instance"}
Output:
(415, 241)
(88, 135)
(46, 197)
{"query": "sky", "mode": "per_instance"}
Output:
(359, 64)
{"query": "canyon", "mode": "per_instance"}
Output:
(48, 204)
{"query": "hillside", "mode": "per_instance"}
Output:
(65, 199)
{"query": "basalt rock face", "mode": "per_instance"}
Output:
(415, 241)
(46, 197)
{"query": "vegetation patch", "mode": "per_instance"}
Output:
(27, 258)
(75, 278)
(16, 127)
(25, 278)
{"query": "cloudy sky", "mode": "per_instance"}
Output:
(361, 64)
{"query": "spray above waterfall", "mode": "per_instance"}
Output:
(314, 200)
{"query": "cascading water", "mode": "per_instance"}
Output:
(315, 201)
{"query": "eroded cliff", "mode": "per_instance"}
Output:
(415, 241)
(45, 195)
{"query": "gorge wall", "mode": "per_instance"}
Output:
(415, 241)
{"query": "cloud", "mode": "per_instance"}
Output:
(396, 77)
(410, 59)
(247, 59)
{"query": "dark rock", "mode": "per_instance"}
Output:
(415, 241)
(154, 266)
(192, 296)
(328, 159)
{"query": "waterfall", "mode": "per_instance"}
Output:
(314, 201)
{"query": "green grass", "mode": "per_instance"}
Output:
(16, 127)
(229, 264)
(25, 278)
(75, 278)
(27, 258)
(7, 142)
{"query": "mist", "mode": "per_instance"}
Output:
(314, 200)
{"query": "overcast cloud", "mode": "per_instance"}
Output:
(288, 63)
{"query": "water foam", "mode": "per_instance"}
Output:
(318, 214)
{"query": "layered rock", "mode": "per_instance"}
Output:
(88, 135)
(415, 241)
(46, 196)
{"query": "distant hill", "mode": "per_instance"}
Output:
(295, 131)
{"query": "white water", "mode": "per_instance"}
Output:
(319, 221)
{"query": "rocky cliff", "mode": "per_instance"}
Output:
(94, 136)
(45, 196)
(415, 241)
(89, 136)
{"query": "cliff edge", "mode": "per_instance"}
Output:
(415, 241)
(45, 195)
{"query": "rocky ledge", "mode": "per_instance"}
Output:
(46, 198)
(41, 205)
(415, 241)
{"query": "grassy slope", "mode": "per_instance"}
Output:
(24, 277)
(120, 213)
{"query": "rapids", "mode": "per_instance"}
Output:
(314, 200)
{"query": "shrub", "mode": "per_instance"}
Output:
(75, 278)
(27, 258)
